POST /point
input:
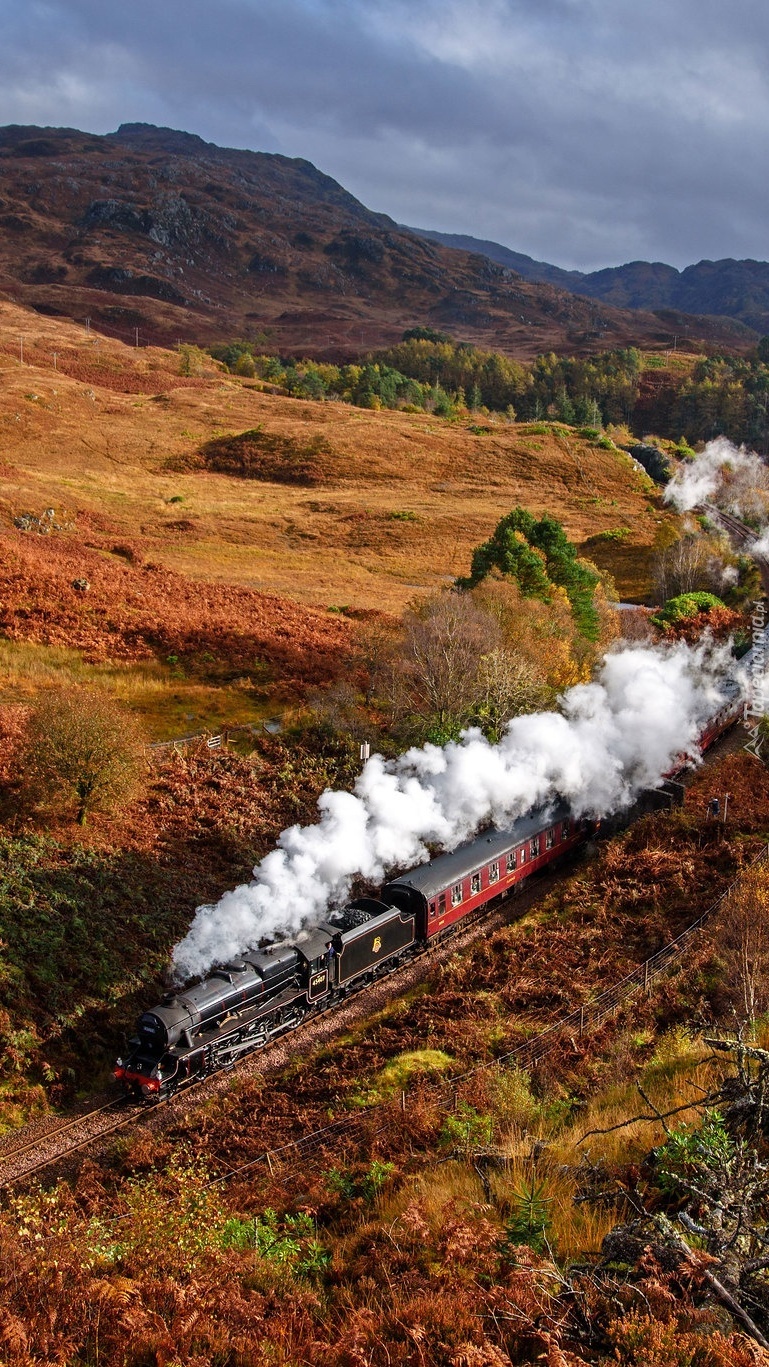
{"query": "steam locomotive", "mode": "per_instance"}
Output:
(244, 1004)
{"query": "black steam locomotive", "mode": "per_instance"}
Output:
(244, 1004)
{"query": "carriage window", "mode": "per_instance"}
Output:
(565, 830)
(456, 894)
(550, 840)
(524, 854)
(475, 883)
(494, 871)
(510, 862)
(432, 910)
(442, 903)
(535, 846)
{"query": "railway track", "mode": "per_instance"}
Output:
(741, 537)
(48, 1143)
(22, 1155)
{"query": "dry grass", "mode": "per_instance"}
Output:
(113, 461)
(165, 702)
(548, 1149)
(539, 1142)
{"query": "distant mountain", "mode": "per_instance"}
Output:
(153, 229)
(504, 256)
(728, 288)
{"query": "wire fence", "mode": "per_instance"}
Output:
(582, 1020)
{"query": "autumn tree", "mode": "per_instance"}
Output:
(744, 943)
(433, 683)
(690, 564)
(451, 666)
(82, 750)
(542, 634)
(507, 684)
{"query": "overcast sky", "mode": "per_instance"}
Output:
(583, 132)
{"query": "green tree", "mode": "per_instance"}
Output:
(245, 365)
(538, 555)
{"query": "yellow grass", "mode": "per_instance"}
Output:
(164, 701)
(537, 1141)
(88, 450)
(539, 1147)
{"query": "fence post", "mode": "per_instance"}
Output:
(646, 975)
(582, 1020)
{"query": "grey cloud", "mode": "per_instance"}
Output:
(586, 132)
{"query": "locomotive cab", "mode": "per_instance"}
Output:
(319, 949)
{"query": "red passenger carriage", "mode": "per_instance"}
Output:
(454, 885)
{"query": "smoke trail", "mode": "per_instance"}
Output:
(611, 739)
(760, 546)
(729, 476)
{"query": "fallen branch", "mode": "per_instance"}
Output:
(677, 1241)
(659, 1116)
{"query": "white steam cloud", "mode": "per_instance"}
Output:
(611, 739)
(760, 547)
(730, 476)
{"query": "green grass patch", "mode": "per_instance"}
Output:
(396, 1075)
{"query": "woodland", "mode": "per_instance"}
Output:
(676, 395)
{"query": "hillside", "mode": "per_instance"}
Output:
(387, 1181)
(719, 289)
(396, 501)
(378, 1188)
(156, 230)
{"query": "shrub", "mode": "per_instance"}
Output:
(363, 1186)
(611, 534)
(256, 454)
(466, 1130)
(688, 1151)
(684, 606)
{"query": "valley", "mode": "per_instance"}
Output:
(185, 543)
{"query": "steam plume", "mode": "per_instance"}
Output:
(760, 547)
(612, 738)
(730, 476)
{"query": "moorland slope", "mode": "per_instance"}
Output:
(113, 439)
